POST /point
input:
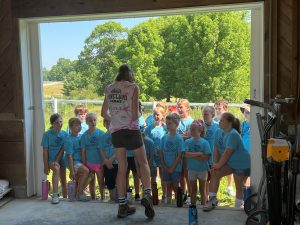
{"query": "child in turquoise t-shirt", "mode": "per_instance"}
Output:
(197, 153)
(90, 154)
(171, 148)
(53, 155)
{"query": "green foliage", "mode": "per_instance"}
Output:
(201, 57)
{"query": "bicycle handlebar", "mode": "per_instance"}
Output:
(260, 104)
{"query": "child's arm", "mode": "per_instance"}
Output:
(223, 160)
(60, 154)
(216, 155)
(162, 161)
(172, 168)
(83, 156)
(45, 159)
(106, 160)
(71, 166)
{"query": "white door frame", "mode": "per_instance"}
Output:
(33, 88)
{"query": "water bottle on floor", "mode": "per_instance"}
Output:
(129, 194)
(193, 215)
(71, 190)
(179, 197)
(45, 189)
(155, 194)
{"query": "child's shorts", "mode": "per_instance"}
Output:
(171, 177)
(77, 165)
(241, 172)
(94, 167)
(110, 176)
(194, 175)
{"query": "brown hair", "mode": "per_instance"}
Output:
(222, 102)
(73, 121)
(125, 73)
(174, 118)
(54, 117)
(80, 109)
(235, 122)
(201, 125)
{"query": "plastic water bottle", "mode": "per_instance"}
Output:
(129, 194)
(155, 194)
(71, 190)
(193, 215)
(45, 189)
(246, 192)
(179, 197)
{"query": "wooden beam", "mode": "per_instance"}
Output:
(46, 8)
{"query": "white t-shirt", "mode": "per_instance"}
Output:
(119, 98)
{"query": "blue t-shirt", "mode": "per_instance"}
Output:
(246, 135)
(202, 145)
(210, 137)
(90, 141)
(149, 120)
(184, 125)
(84, 128)
(150, 150)
(54, 141)
(155, 133)
(240, 158)
(171, 146)
(216, 120)
(141, 123)
(73, 147)
(129, 153)
(106, 146)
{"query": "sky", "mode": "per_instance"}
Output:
(66, 39)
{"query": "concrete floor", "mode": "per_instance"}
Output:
(38, 212)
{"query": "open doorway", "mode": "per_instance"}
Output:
(32, 80)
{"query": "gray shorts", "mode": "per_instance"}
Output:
(194, 175)
(77, 165)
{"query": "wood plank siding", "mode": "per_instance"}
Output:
(281, 49)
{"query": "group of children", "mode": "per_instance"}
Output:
(178, 147)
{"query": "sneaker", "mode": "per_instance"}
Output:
(125, 210)
(188, 200)
(210, 204)
(230, 191)
(83, 198)
(147, 203)
(137, 198)
(55, 198)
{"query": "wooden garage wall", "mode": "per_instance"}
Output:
(284, 73)
(12, 160)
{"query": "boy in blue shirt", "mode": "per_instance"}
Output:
(110, 164)
(53, 155)
(198, 154)
(78, 171)
(171, 148)
(90, 154)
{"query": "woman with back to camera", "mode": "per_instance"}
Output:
(120, 107)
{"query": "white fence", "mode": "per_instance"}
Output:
(54, 102)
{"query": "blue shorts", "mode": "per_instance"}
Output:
(171, 177)
(241, 172)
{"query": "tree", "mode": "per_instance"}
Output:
(60, 70)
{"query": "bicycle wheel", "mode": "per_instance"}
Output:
(260, 217)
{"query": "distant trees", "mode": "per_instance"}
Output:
(199, 57)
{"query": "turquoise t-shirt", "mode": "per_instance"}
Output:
(73, 147)
(54, 141)
(90, 141)
(246, 135)
(141, 123)
(210, 137)
(150, 150)
(171, 146)
(149, 120)
(155, 133)
(106, 146)
(184, 125)
(216, 120)
(84, 128)
(129, 153)
(240, 158)
(202, 145)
